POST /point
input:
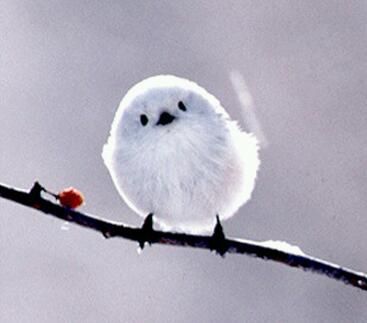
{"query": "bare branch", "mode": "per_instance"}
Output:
(217, 242)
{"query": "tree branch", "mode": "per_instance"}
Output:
(217, 242)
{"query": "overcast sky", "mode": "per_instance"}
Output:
(64, 67)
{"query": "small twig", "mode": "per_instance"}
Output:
(217, 241)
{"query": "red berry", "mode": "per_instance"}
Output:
(71, 197)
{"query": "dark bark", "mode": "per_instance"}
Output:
(217, 242)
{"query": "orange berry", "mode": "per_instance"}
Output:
(71, 197)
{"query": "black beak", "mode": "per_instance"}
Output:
(165, 118)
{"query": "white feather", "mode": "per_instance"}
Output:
(188, 171)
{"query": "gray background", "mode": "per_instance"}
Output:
(65, 65)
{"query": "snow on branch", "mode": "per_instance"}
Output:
(277, 251)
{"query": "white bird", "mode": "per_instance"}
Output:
(174, 152)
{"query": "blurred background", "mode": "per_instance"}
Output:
(64, 67)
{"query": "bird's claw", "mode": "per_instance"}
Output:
(146, 231)
(218, 242)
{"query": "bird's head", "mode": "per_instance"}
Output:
(161, 109)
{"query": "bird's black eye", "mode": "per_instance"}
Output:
(143, 119)
(181, 106)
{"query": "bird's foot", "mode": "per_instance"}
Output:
(218, 242)
(146, 233)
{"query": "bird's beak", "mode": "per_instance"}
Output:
(165, 118)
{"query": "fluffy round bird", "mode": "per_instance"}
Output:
(174, 152)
